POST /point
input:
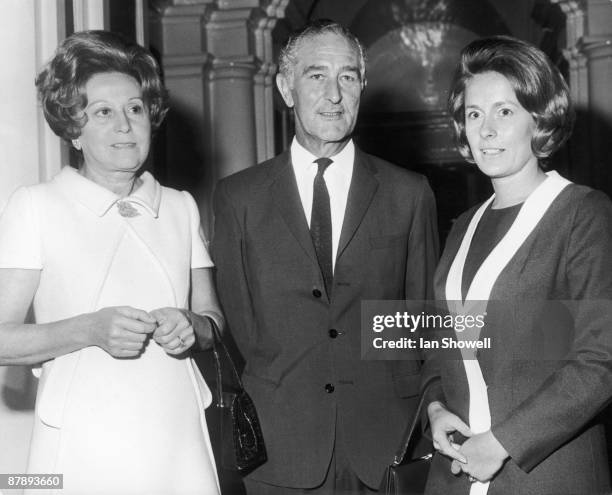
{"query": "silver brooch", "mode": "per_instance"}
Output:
(126, 209)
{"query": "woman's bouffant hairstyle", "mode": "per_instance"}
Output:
(61, 83)
(537, 83)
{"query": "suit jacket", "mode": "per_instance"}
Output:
(302, 349)
(549, 371)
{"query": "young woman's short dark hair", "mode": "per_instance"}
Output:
(61, 83)
(537, 83)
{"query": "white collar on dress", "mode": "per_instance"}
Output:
(100, 200)
(532, 211)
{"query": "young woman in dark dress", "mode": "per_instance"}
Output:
(521, 418)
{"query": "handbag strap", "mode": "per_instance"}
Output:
(411, 429)
(219, 345)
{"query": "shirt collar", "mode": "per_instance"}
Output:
(301, 157)
(100, 200)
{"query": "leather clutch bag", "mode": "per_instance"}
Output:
(242, 444)
(407, 474)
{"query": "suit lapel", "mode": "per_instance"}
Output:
(363, 186)
(287, 199)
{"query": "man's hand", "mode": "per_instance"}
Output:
(443, 424)
(485, 457)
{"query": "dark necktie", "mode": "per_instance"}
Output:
(321, 225)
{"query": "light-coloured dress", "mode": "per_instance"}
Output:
(129, 426)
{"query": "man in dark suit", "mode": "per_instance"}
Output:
(300, 241)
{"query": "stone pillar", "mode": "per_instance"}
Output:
(589, 52)
(580, 148)
(263, 23)
(90, 14)
(176, 33)
(231, 86)
(217, 60)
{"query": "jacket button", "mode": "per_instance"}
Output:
(333, 333)
(316, 293)
(329, 388)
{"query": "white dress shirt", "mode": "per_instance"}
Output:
(337, 178)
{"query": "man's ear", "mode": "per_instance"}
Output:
(282, 83)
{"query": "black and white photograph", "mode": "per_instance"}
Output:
(306, 247)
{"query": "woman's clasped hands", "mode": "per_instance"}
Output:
(123, 331)
(174, 332)
(481, 456)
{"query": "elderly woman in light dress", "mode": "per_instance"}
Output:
(120, 280)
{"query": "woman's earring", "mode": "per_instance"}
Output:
(77, 144)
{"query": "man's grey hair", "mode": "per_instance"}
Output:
(287, 58)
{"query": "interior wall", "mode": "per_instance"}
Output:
(19, 165)
(18, 127)
(29, 153)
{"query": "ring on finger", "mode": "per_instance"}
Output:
(181, 341)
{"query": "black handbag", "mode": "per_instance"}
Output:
(242, 443)
(407, 474)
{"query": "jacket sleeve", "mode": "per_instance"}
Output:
(582, 385)
(423, 247)
(422, 256)
(227, 249)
